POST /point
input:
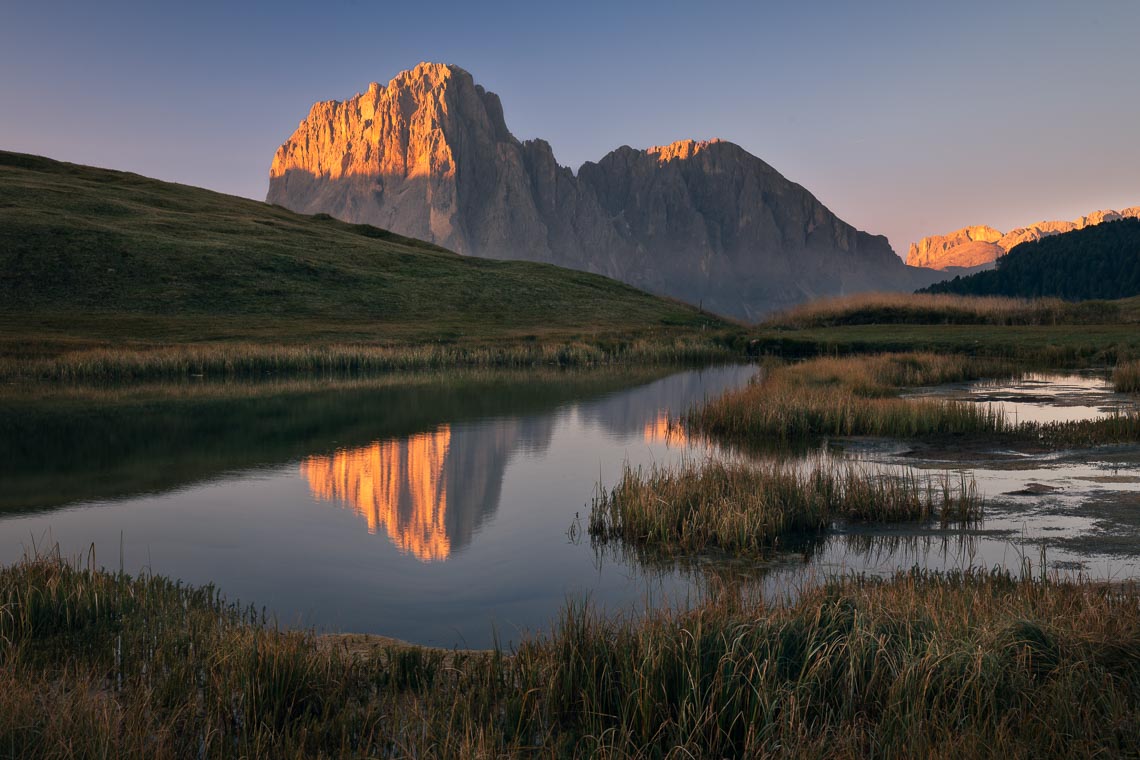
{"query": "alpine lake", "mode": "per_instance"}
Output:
(451, 509)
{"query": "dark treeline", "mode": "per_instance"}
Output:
(1097, 262)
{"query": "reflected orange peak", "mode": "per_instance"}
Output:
(660, 430)
(396, 485)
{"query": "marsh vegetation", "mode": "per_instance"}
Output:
(253, 360)
(1126, 377)
(929, 309)
(1038, 333)
(745, 508)
(859, 396)
(98, 664)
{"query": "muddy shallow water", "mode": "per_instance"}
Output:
(1074, 510)
(1040, 397)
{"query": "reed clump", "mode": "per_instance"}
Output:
(97, 664)
(747, 508)
(941, 309)
(859, 396)
(856, 396)
(1126, 377)
(241, 360)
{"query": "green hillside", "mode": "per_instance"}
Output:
(96, 257)
(1101, 262)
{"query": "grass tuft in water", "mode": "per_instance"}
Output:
(741, 508)
(1126, 377)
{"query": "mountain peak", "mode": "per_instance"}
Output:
(681, 149)
(429, 156)
(407, 128)
(432, 74)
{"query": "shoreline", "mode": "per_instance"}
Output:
(247, 360)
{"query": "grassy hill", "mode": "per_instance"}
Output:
(1101, 262)
(92, 257)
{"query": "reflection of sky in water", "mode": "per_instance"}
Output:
(1042, 398)
(446, 534)
(1074, 510)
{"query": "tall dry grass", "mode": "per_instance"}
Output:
(850, 397)
(925, 308)
(748, 508)
(1126, 377)
(923, 665)
(859, 396)
(237, 360)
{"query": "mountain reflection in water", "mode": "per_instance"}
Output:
(429, 492)
(660, 430)
(395, 485)
(475, 487)
(431, 509)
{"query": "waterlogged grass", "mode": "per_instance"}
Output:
(851, 397)
(1126, 377)
(103, 665)
(744, 508)
(927, 309)
(236, 360)
(859, 396)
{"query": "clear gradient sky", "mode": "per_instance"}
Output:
(905, 118)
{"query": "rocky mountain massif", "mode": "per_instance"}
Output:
(430, 156)
(982, 245)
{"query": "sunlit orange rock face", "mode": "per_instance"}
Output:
(981, 245)
(429, 155)
(681, 150)
(395, 142)
(967, 247)
(397, 486)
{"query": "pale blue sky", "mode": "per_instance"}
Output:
(905, 118)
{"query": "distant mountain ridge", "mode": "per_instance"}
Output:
(982, 245)
(430, 156)
(1098, 261)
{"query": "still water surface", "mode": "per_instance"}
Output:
(443, 510)
(440, 514)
